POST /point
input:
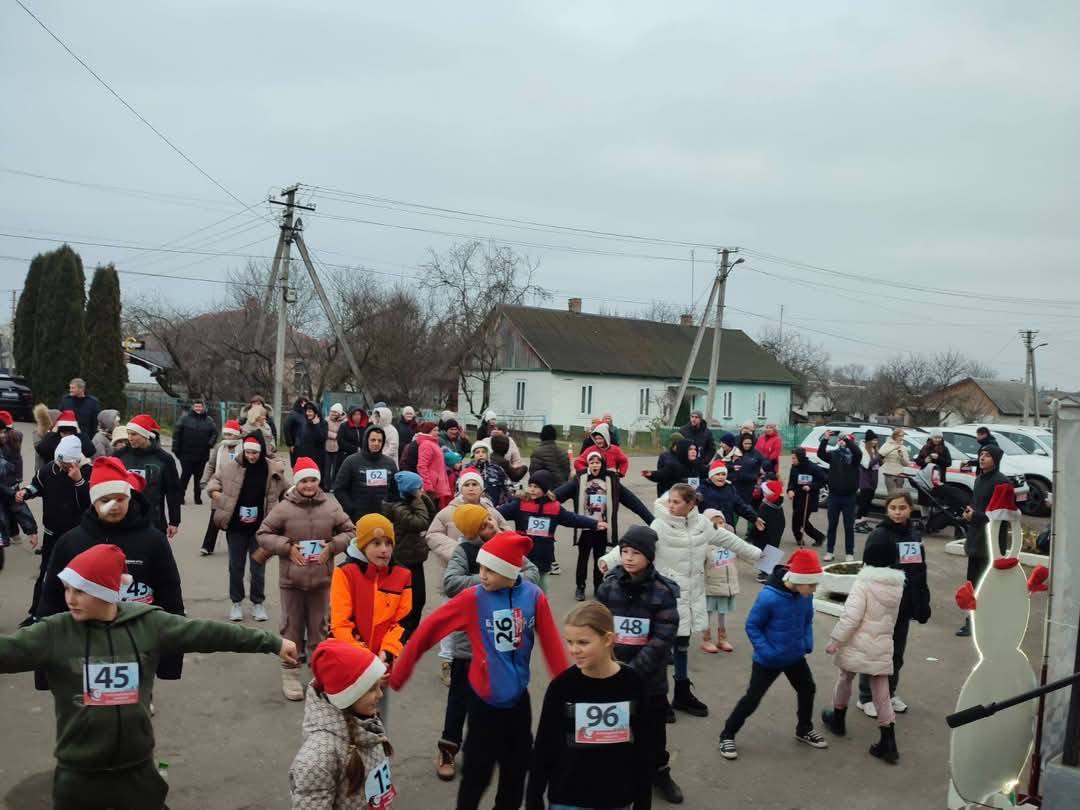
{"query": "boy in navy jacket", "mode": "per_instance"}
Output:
(781, 628)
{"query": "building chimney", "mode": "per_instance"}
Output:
(574, 305)
(686, 319)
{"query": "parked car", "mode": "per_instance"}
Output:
(1036, 469)
(16, 397)
(1037, 441)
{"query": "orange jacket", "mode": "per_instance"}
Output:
(367, 604)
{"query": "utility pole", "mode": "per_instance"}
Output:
(1030, 391)
(781, 338)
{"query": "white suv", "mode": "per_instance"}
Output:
(1036, 469)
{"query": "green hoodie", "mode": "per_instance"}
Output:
(96, 738)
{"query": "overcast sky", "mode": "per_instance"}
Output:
(923, 143)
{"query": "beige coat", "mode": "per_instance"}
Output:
(333, 422)
(226, 450)
(894, 458)
(297, 518)
(224, 488)
(721, 576)
(443, 536)
(865, 629)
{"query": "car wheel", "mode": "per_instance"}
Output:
(1036, 504)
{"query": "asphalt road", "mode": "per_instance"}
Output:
(229, 735)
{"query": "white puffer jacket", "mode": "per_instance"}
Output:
(681, 551)
(865, 629)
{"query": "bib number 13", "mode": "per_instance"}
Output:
(379, 790)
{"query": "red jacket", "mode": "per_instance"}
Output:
(431, 466)
(770, 448)
(614, 459)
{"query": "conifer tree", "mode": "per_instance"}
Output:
(58, 333)
(103, 365)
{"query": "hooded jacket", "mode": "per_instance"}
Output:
(726, 499)
(843, 464)
(385, 419)
(443, 536)
(614, 458)
(106, 422)
(780, 625)
(411, 518)
(334, 422)
(93, 739)
(701, 437)
(294, 420)
(745, 472)
(317, 777)
(431, 466)
(365, 481)
(911, 560)
(194, 437)
(368, 602)
(226, 450)
(224, 488)
(311, 441)
(550, 457)
(865, 629)
(600, 497)
(162, 490)
(975, 544)
(62, 500)
(805, 474)
(406, 430)
(296, 519)
(674, 467)
(350, 437)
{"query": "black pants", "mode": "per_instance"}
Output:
(653, 715)
(899, 641)
(864, 500)
(138, 788)
(594, 543)
(48, 541)
(240, 547)
(331, 467)
(457, 701)
(976, 566)
(500, 737)
(761, 678)
(419, 597)
(189, 470)
(209, 542)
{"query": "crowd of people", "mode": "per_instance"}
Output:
(352, 504)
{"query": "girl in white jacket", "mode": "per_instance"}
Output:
(685, 538)
(862, 642)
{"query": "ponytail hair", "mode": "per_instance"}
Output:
(355, 772)
(595, 616)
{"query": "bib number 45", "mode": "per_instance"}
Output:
(111, 684)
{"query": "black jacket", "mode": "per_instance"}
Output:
(46, 448)
(745, 472)
(162, 483)
(549, 456)
(351, 487)
(620, 496)
(701, 438)
(915, 603)
(86, 413)
(775, 523)
(727, 500)
(311, 441)
(843, 464)
(807, 474)
(294, 420)
(194, 437)
(350, 438)
(943, 460)
(62, 501)
(985, 484)
(675, 467)
(650, 596)
(405, 431)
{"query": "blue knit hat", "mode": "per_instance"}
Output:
(408, 482)
(729, 439)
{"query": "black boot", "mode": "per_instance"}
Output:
(885, 748)
(835, 720)
(685, 701)
(666, 787)
(579, 595)
(965, 631)
(669, 713)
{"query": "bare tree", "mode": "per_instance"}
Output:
(808, 361)
(466, 284)
(920, 383)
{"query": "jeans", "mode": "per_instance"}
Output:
(841, 505)
(865, 501)
(761, 678)
(681, 655)
(899, 640)
(457, 701)
(590, 543)
(419, 597)
(240, 547)
(191, 470)
(500, 737)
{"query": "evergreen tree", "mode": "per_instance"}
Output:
(58, 335)
(103, 365)
(26, 318)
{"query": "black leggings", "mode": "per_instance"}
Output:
(761, 678)
(594, 543)
(419, 597)
(864, 502)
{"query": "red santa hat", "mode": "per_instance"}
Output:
(99, 571)
(67, 419)
(505, 553)
(251, 443)
(109, 476)
(804, 568)
(718, 467)
(306, 468)
(1002, 505)
(345, 672)
(6, 419)
(232, 428)
(144, 425)
(470, 474)
(772, 491)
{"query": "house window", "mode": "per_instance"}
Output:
(761, 405)
(586, 399)
(519, 395)
(643, 401)
(727, 405)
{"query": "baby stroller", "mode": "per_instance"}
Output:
(941, 506)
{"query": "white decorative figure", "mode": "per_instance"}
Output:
(986, 757)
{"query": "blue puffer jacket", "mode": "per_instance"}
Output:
(780, 624)
(726, 499)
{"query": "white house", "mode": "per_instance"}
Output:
(565, 367)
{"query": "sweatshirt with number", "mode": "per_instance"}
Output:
(589, 749)
(113, 737)
(502, 627)
(538, 518)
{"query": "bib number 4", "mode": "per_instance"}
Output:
(602, 723)
(111, 684)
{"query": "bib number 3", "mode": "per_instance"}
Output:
(602, 723)
(111, 684)
(379, 790)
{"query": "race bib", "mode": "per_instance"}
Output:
(111, 684)
(597, 502)
(232, 455)
(721, 558)
(140, 473)
(249, 514)
(910, 552)
(631, 631)
(376, 478)
(693, 482)
(804, 479)
(602, 723)
(508, 626)
(137, 592)
(379, 790)
(311, 549)
(538, 527)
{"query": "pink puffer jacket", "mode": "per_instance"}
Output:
(865, 629)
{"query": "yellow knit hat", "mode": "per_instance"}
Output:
(371, 526)
(469, 517)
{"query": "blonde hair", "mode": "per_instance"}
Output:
(596, 617)
(685, 492)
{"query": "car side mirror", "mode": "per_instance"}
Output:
(1040, 452)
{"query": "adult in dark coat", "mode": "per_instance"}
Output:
(935, 453)
(549, 456)
(697, 431)
(805, 483)
(350, 436)
(678, 469)
(86, 407)
(843, 461)
(193, 440)
(746, 470)
(989, 478)
(365, 482)
(294, 421)
(406, 428)
(311, 438)
(985, 437)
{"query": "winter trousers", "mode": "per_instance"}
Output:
(976, 567)
(305, 612)
(138, 788)
(419, 598)
(879, 688)
(865, 500)
(590, 543)
(841, 506)
(48, 542)
(653, 717)
(241, 545)
(681, 657)
(761, 678)
(333, 464)
(899, 641)
(500, 737)
(19, 517)
(189, 470)
(209, 542)
(457, 701)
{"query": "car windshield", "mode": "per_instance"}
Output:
(1008, 446)
(1028, 443)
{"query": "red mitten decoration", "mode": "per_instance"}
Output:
(1037, 581)
(965, 596)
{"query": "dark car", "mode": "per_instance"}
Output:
(15, 397)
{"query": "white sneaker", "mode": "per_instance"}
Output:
(203, 552)
(849, 558)
(258, 613)
(868, 708)
(828, 556)
(555, 570)
(898, 704)
(236, 612)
